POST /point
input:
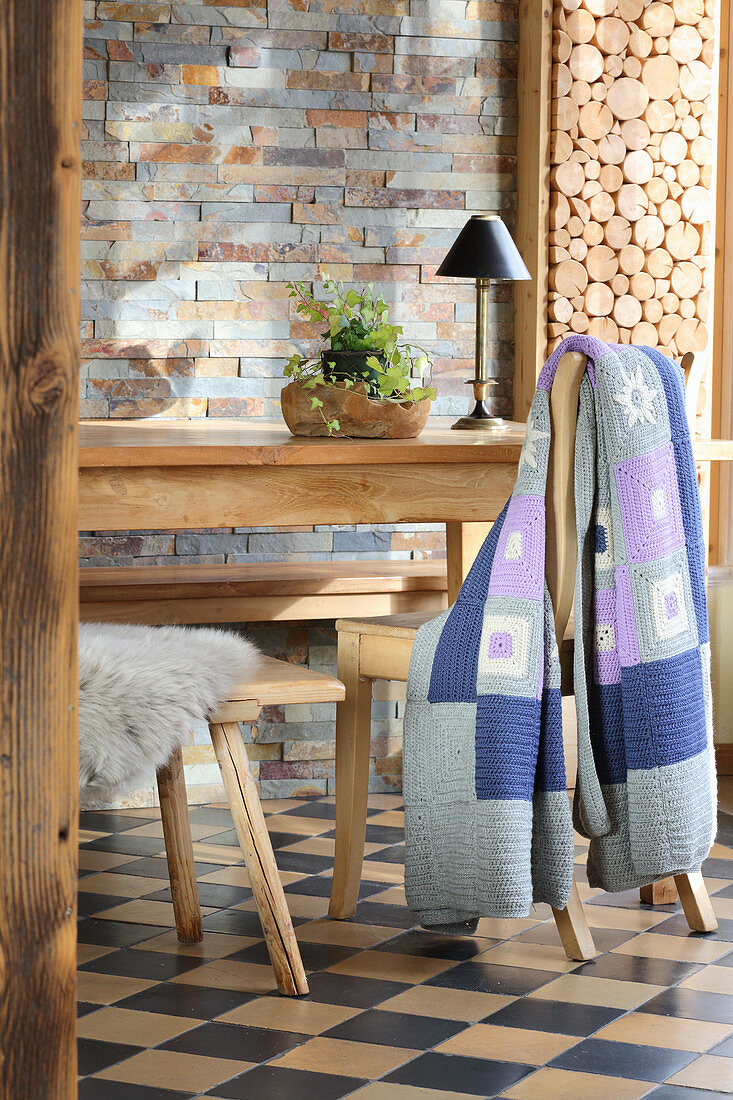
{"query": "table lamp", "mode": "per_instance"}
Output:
(484, 251)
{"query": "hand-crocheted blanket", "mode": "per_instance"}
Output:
(488, 821)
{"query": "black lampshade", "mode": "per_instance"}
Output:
(484, 249)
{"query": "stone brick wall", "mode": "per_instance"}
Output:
(230, 147)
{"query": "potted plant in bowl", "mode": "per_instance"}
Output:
(361, 384)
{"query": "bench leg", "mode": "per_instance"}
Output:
(663, 892)
(572, 924)
(179, 849)
(696, 902)
(353, 733)
(254, 840)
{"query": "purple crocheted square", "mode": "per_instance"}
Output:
(650, 505)
(627, 637)
(606, 663)
(501, 644)
(518, 568)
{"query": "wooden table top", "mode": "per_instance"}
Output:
(215, 442)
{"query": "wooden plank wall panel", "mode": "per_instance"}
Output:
(40, 121)
(631, 146)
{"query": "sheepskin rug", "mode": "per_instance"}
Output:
(140, 690)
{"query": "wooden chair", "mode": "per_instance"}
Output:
(276, 683)
(381, 648)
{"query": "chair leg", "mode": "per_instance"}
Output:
(353, 733)
(662, 892)
(572, 924)
(696, 902)
(179, 849)
(249, 821)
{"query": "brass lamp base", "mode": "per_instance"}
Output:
(480, 419)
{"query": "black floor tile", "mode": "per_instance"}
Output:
(246, 1044)
(210, 815)
(476, 1076)
(273, 1083)
(155, 966)
(605, 939)
(393, 854)
(107, 821)
(114, 933)
(431, 945)
(381, 834)
(692, 1004)
(238, 922)
(725, 1049)
(536, 1014)
(725, 960)
(96, 1089)
(678, 926)
(89, 904)
(629, 899)
(83, 1008)
(717, 868)
(315, 956)
(95, 1055)
(210, 894)
(157, 867)
(490, 978)
(726, 892)
(319, 886)
(189, 1001)
(126, 845)
(314, 809)
(640, 1063)
(633, 968)
(341, 989)
(392, 916)
(302, 861)
(396, 1029)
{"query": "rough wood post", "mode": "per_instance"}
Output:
(40, 170)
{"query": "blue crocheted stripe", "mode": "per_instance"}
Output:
(507, 740)
(606, 714)
(455, 663)
(664, 711)
(673, 384)
(551, 758)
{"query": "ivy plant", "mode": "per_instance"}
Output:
(357, 321)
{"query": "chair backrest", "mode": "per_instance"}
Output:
(561, 542)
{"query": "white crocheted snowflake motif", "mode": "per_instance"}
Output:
(531, 439)
(637, 398)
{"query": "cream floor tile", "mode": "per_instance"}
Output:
(391, 966)
(375, 871)
(89, 860)
(214, 945)
(630, 920)
(381, 1090)
(87, 952)
(345, 1058)
(665, 1031)
(145, 912)
(382, 801)
(230, 974)
(197, 831)
(394, 818)
(325, 846)
(87, 835)
(216, 853)
(722, 851)
(305, 826)
(564, 1084)
(711, 979)
(104, 989)
(534, 956)
(289, 1014)
(300, 905)
(280, 805)
(446, 1004)
(124, 886)
(343, 933)
(579, 989)
(393, 895)
(177, 1071)
(723, 908)
(503, 928)
(231, 876)
(655, 945)
(508, 1044)
(123, 1025)
(709, 1072)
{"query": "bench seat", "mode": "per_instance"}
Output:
(259, 592)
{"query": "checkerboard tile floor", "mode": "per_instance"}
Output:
(393, 1013)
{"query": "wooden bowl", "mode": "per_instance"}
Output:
(358, 415)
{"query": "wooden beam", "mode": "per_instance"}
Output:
(721, 476)
(533, 197)
(40, 172)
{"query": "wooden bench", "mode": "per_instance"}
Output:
(259, 592)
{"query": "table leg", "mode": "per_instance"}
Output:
(463, 542)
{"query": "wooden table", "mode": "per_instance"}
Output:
(172, 474)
